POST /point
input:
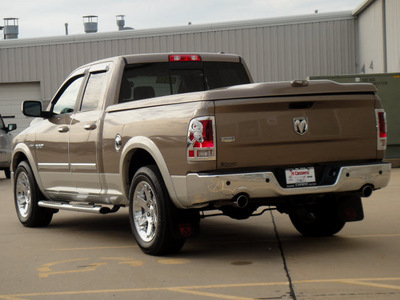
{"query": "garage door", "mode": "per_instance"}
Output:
(11, 97)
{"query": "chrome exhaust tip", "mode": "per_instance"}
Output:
(366, 191)
(241, 201)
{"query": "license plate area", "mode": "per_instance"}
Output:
(300, 177)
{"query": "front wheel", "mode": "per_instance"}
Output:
(151, 213)
(26, 198)
(318, 220)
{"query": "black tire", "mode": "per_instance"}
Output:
(26, 198)
(7, 172)
(151, 214)
(317, 220)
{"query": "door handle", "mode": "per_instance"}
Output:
(90, 126)
(63, 129)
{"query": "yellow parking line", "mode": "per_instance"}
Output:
(374, 235)
(174, 261)
(93, 248)
(213, 295)
(191, 289)
(93, 267)
(370, 284)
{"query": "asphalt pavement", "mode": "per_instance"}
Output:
(86, 256)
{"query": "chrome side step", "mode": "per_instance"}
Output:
(89, 208)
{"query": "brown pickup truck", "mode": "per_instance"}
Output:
(172, 136)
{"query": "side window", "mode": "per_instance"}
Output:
(94, 91)
(66, 101)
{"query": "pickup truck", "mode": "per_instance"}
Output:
(5, 145)
(174, 136)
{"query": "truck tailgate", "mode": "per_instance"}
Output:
(293, 130)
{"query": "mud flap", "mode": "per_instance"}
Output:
(185, 224)
(350, 208)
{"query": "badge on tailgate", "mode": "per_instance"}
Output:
(299, 177)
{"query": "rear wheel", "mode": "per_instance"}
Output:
(26, 197)
(151, 213)
(317, 220)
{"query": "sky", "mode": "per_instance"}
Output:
(43, 18)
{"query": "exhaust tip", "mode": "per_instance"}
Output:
(366, 191)
(241, 201)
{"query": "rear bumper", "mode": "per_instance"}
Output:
(201, 189)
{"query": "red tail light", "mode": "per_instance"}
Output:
(381, 128)
(184, 57)
(201, 139)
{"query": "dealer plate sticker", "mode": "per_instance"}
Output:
(298, 177)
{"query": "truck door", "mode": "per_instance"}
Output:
(84, 143)
(52, 137)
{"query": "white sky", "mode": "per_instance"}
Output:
(40, 18)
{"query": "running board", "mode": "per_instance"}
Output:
(96, 209)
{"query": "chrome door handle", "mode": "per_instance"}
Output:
(90, 126)
(63, 129)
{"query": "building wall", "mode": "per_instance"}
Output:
(274, 49)
(392, 35)
(371, 47)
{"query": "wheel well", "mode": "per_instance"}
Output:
(18, 157)
(137, 159)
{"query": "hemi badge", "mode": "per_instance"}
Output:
(228, 139)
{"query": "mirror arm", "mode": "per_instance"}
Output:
(46, 114)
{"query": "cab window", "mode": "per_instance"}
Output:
(94, 92)
(143, 81)
(67, 99)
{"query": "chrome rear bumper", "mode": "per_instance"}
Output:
(201, 189)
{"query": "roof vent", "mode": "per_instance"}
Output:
(90, 23)
(121, 23)
(11, 30)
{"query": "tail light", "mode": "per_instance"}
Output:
(381, 129)
(201, 139)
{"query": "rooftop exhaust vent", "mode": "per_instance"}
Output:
(10, 29)
(90, 23)
(121, 23)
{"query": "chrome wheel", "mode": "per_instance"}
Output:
(26, 198)
(145, 213)
(23, 194)
(152, 215)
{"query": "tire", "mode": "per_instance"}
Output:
(318, 220)
(7, 172)
(151, 214)
(26, 198)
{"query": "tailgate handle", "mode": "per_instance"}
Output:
(300, 105)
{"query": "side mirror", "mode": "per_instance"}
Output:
(11, 127)
(34, 109)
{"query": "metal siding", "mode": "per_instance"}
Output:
(392, 35)
(371, 38)
(272, 52)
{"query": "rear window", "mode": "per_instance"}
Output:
(142, 81)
